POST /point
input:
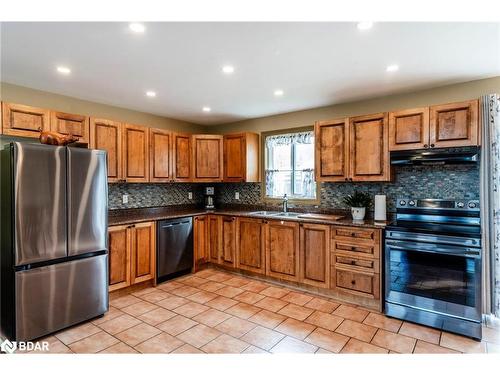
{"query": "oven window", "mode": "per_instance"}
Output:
(440, 277)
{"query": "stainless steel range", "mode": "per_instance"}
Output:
(433, 264)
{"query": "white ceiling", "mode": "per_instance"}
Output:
(316, 64)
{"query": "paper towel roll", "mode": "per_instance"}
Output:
(380, 208)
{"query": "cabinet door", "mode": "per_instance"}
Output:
(282, 250)
(119, 257)
(409, 129)
(369, 151)
(107, 135)
(67, 123)
(160, 152)
(143, 252)
(332, 150)
(207, 158)
(201, 254)
(181, 157)
(251, 245)
(228, 245)
(234, 158)
(214, 238)
(136, 153)
(455, 124)
(315, 255)
(24, 121)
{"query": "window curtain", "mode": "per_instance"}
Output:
(288, 139)
(490, 202)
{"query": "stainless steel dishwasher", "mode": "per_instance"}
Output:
(174, 249)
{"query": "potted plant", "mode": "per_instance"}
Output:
(358, 202)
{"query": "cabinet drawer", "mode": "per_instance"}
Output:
(355, 248)
(346, 233)
(366, 264)
(357, 282)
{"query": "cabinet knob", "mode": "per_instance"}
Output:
(346, 179)
(432, 145)
(353, 234)
(426, 146)
(353, 262)
(353, 282)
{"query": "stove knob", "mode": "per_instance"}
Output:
(472, 205)
(402, 203)
(411, 203)
(460, 204)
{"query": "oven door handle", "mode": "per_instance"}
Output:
(442, 249)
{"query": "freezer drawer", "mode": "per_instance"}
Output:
(58, 296)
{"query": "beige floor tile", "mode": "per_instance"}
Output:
(156, 316)
(163, 343)
(491, 335)
(221, 303)
(322, 305)
(171, 303)
(119, 324)
(194, 281)
(199, 335)
(123, 301)
(296, 311)
(157, 296)
(254, 350)
(202, 297)
(225, 344)
(219, 277)
(384, 322)
(352, 313)
(229, 291)
(112, 313)
(326, 339)
(169, 286)
(206, 272)
(211, 286)
(237, 282)
(235, 326)
(176, 325)
(263, 338)
(357, 330)
(297, 298)
(461, 343)
(119, 348)
(137, 334)
(77, 333)
(190, 309)
(324, 320)
(292, 345)
(417, 331)
(144, 291)
(94, 343)
(187, 349)
(424, 347)
(271, 304)
(354, 346)
(249, 297)
(394, 342)
(267, 319)
(139, 308)
(211, 317)
(242, 310)
(274, 292)
(184, 291)
(295, 328)
(255, 286)
(55, 346)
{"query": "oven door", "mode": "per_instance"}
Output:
(440, 278)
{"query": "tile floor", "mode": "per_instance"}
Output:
(218, 312)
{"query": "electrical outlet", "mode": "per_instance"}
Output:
(125, 198)
(237, 195)
(190, 195)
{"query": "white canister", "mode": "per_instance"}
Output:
(380, 208)
(358, 213)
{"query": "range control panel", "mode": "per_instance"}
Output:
(438, 204)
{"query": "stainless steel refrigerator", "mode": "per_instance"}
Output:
(54, 258)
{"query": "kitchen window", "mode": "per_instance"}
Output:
(289, 165)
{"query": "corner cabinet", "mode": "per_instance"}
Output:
(107, 135)
(24, 121)
(135, 153)
(251, 245)
(207, 158)
(282, 250)
(241, 157)
(332, 150)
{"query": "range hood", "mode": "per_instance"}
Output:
(469, 155)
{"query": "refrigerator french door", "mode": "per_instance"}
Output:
(54, 266)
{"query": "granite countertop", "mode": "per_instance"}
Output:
(135, 215)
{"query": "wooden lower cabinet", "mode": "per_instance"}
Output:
(214, 237)
(132, 254)
(251, 244)
(201, 253)
(282, 250)
(364, 284)
(228, 242)
(315, 255)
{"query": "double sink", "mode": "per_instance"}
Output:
(276, 214)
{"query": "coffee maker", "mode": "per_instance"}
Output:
(209, 197)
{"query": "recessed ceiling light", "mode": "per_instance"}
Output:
(278, 92)
(228, 69)
(151, 94)
(206, 109)
(365, 25)
(64, 70)
(392, 68)
(137, 27)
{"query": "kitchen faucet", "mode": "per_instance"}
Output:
(285, 203)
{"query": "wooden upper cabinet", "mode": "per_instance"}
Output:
(315, 255)
(67, 123)
(332, 150)
(282, 250)
(207, 158)
(24, 121)
(107, 135)
(251, 243)
(409, 129)
(228, 241)
(455, 124)
(181, 157)
(136, 153)
(143, 252)
(160, 155)
(119, 257)
(214, 237)
(369, 151)
(241, 157)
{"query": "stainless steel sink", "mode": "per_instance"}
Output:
(288, 214)
(264, 213)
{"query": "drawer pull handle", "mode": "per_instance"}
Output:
(353, 248)
(353, 262)
(353, 234)
(353, 282)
